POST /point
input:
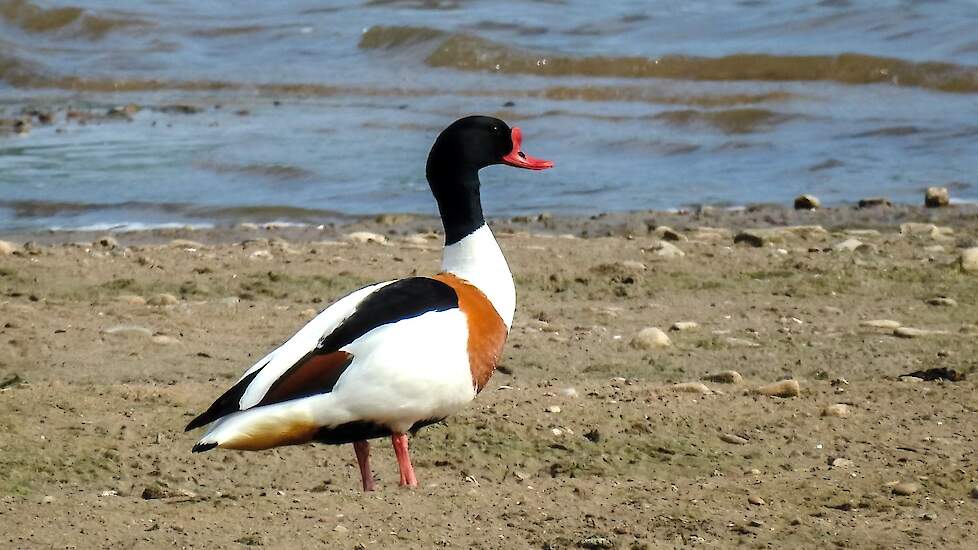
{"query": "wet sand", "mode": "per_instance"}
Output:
(581, 440)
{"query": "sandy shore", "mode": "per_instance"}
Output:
(581, 441)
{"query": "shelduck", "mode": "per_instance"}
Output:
(393, 357)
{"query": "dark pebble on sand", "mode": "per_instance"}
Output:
(874, 202)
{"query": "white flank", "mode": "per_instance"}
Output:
(478, 259)
(405, 372)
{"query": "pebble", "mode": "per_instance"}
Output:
(596, 542)
(569, 392)
(741, 342)
(669, 234)
(365, 237)
(132, 300)
(881, 323)
(756, 500)
(650, 338)
(186, 244)
(692, 387)
(974, 492)
(663, 249)
(7, 248)
(905, 488)
(807, 202)
(725, 377)
(872, 202)
(162, 300)
(48, 499)
(942, 301)
(633, 265)
(910, 332)
(308, 312)
(684, 325)
(554, 409)
(153, 492)
(837, 410)
(340, 529)
(734, 439)
(852, 245)
(969, 260)
(784, 388)
(128, 330)
(261, 255)
(936, 197)
(750, 238)
(843, 463)
(230, 301)
(107, 242)
(164, 340)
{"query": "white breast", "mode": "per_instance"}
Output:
(478, 259)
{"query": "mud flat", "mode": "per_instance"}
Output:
(587, 438)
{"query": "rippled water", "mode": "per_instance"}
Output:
(298, 112)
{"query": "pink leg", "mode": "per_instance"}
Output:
(400, 442)
(362, 448)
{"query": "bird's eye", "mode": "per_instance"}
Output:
(495, 129)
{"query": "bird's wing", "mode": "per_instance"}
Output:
(312, 360)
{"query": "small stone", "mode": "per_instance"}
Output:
(186, 244)
(340, 529)
(128, 330)
(741, 342)
(569, 392)
(107, 242)
(162, 300)
(684, 325)
(362, 237)
(663, 249)
(882, 323)
(852, 245)
(756, 500)
(557, 432)
(843, 463)
(230, 301)
(837, 410)
(974, 492)
(753, 472)
(905, 488)
(595, 542)
(553, 409)
(7, 248)
(692, 387)
(633, 265)
(132, 300)
(650, 338)
(154, 492)
(109, 493)
(48, 499)
(910, 332)
(750, 238)
(874, 202)
(261, 255)
(756, 523)
(734, 439)
(936, 197)
(942, 301)
(725, 377)
(784, 388)
(807, 202)
(669, 234)
(164, 340)
(969, 260)
(308, 313)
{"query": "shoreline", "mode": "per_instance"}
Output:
(606, 224)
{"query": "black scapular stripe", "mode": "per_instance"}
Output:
(402, 299)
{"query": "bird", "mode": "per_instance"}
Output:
(393, 357)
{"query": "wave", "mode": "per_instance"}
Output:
(33, 209)
(467, 52)
(729, 121)
(70, 20)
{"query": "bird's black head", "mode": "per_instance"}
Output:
(468, 145)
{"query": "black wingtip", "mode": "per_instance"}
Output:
(196, 423)
(203, 447)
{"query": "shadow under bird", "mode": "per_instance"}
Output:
(393, 357)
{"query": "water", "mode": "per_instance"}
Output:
(305, 113)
